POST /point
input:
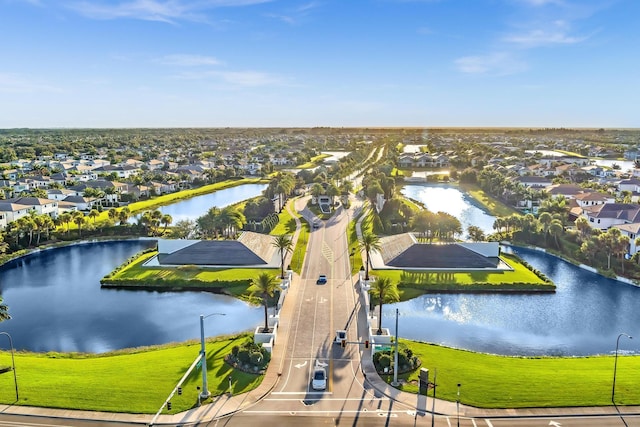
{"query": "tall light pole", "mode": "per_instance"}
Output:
(615, 367)
(458, 404)
(204, 394)
(395, 356)
(13, 363)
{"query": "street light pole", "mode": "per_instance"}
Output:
(204, 394)
(615, 367)
(458, 404)
(13, 363)
(395, 356)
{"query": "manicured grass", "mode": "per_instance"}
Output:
(286, 224)
(491, 205)
(521, 278)
(133, 381)
(314, 161)
(233, 281)
(491, 381)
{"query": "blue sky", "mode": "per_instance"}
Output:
(246, 63)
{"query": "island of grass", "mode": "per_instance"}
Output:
(132, 274)
(520, 278)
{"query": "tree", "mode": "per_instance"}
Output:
(370, 242)
(476, 234)
(556, 229)
(264, 286)
(94, 214)
(384, 290)
(78, 219)
(582, 224)
(284, 245)
(166, 220)
(123, 215)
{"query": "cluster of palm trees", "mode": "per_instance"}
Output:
(30, 227)
(221, 222)
(442, 226)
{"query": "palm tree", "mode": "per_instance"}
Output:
(166, 220)
(78, 219)
(265, 285)
(93, 214)
(369, 242)
(384, 290)
(284, 245)
(123, 215)
(556, 229)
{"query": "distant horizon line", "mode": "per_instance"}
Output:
(596, 128)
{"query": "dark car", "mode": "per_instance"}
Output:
(322, 279)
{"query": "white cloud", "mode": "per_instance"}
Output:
(14, 83)
(497, 63)
(235, 78)
(189, 60)
(168, 11)
(555, 33)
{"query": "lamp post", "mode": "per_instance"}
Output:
(615, 367)
(395, 356)
(458, 404)
(13, 363)
(204, 394)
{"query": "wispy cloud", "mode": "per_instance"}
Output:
(557, 33)
(295, 15)
(497, 63)
(189, 60)
(235, 78)
(14, 83)
(538, 3)
(169, 11)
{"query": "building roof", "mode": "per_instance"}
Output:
(422, 255)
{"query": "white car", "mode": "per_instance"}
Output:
(319, 381)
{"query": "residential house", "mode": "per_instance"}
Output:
(60, 194)
(632, 231)
(82, 203)
(535, 182)
(10, 212)
(40, 206)
(608, 215)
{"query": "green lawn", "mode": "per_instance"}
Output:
(521, 278)
(490, 204)
(314, 161)
(233, 281)
(134, 381)
(491, 381)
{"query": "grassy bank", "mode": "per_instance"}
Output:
(491, 381)
(133, 381)
(231, 281)
(521, 279)
(490, 204)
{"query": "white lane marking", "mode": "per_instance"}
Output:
(489, 423)
(301, 365)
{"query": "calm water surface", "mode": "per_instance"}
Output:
(56, 304)
(583, 317)
(449, 199)
(198, 206)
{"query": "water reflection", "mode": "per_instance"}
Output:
(583, 317)
(56, 304)
(196, 207)
(449, 199)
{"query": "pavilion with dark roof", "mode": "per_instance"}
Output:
(250, 250)
(404, 252)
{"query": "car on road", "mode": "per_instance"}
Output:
(316, 224)
(319, 381)
(322, 279)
